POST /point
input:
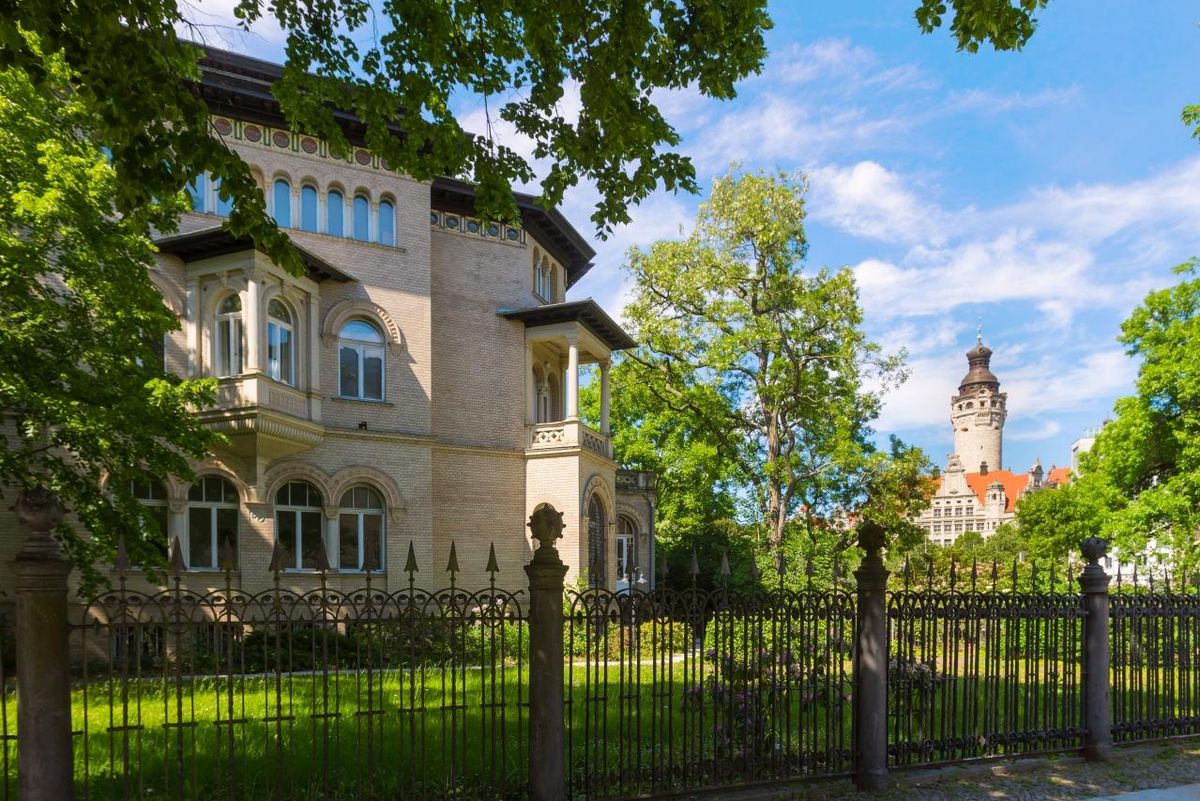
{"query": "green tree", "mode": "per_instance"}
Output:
(86, 404)
(767, 358)
(1144, 469)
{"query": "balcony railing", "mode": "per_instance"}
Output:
(567, 434)
(258, 390)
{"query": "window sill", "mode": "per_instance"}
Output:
(348, 399)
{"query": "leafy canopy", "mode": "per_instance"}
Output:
(1140, 484)
(400, 66)
(86, 404)
(762, 363)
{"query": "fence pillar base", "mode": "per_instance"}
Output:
(870, 664)
(547, 779)
(45, 769)
(1093, 583)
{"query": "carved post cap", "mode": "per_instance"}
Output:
(871, 537)
(1094, 549)
(39, 509)
(546, 525)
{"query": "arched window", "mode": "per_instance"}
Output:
(282, 205)
(198, 191)
(626, 549)
(308, 208)
(230, 339)
(152, 495)
(212, 523)
(597, 552)
(222, 206)
(298, 524)
(335, 207)
(360, 529)
(362, 215)
(281, 351)
(544, 284)
(387, 223)
(360, 361)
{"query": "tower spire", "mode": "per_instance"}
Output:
(979, 332)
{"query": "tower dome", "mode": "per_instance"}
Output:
(979, 374)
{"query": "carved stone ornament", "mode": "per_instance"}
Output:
(871, 537)
(546, 525)
(39, 509)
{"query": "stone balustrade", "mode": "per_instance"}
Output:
(567, 434)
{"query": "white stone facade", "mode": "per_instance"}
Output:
(975, 493)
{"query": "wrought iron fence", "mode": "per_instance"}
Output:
(1154, 651)
(320, 694)
(983, 670)
(408, 693)
(695, 689)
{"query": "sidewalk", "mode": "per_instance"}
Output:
(1164, 772)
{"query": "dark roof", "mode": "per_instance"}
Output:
(979, 359)
(585, 311)
(217, 241)
(240, 86)
(551, 227)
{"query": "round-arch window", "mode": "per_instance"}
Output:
(151, 493)
(626, 549)
(282, 205)
(298, 524)
(230, 339)
(387, 223)
(360, 361)
(597, 552)
(308, 208)
(281, 350)
(361, 226)
(360, 529)
(212, 523)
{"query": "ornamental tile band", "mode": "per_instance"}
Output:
(473, 226)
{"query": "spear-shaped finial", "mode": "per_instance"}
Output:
(410, 562)
(452, 562)
(371, 557)
(953, 574)
(907, 572)
(662, 570)
(279, 558)
(492, 567)
(694, 567)
(725, 566)
(226, 556)
(322, 559)
(177, 566)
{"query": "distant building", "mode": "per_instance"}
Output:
(975, 494)
(1083, 445)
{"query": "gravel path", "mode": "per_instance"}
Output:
(1049, 779)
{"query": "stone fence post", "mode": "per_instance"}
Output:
(546, 711)
(870, 663)
(45, 769)
(1093, 583)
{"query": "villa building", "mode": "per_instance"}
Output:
(419, 385)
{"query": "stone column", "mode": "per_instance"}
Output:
(870, 663)
(573, 378)
(252, 317)
(192, 331)
(604, 403)
(531, 398)
(45, 769)
(546, 713)
(333, 535)
(1093, 583)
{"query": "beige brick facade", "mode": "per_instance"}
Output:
(458, 448)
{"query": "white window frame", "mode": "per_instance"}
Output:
(360, 513)
(230, 326)
(361, 348)
(298, 512)
(213, 507)
(283, 371)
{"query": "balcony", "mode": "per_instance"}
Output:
(566, 434)
(264, 418)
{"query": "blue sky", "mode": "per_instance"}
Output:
(1043, 193)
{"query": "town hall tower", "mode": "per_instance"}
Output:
(978, 412)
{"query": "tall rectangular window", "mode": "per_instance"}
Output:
(308, 208)
(335, 207)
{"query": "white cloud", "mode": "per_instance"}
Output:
(1044, 430)
(213, 22)
(868, 200)
(990, 101)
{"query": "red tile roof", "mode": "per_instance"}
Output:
(1014, 483)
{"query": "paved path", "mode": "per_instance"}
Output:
(1166, 772)
(1187, 792)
